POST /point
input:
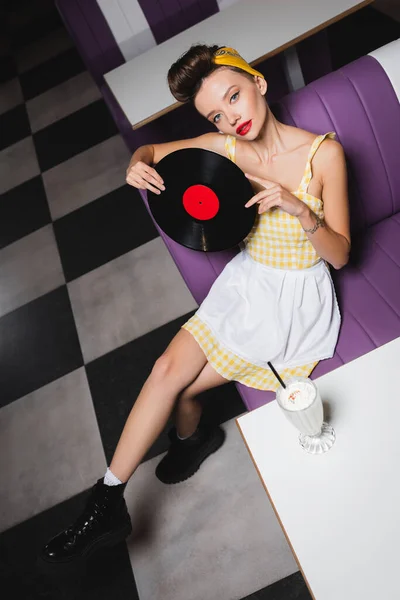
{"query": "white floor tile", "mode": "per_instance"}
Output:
(18, 163)
(128, 297)
(62, 100)
(29, 268)
(213, 536)
(50, 448)
(86, 176)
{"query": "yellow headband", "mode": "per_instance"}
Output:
(231, 58)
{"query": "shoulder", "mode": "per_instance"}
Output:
(299, 138)
(208, 141)
(331, 149)
(213, 141)
(330, 159)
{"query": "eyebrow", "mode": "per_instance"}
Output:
(223, 98)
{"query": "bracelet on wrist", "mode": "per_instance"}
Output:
(318, 223)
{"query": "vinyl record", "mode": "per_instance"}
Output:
(202, 206)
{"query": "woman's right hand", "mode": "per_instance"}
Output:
(144, 177)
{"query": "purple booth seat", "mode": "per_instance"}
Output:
(360, 104)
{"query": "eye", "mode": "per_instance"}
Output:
(234, 97)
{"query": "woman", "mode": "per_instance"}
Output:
(273, 302)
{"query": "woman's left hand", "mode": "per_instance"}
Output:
(275, 195)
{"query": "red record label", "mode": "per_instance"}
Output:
(200, 202)
(202, 207)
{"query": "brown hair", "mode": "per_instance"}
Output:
(188, 73)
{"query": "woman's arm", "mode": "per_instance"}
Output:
(331, 238)
(142, 175)
(207, 141)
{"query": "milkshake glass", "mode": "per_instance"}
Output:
(301, 403)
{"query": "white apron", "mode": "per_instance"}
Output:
(289, 317)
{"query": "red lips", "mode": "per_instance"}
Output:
(244, 128)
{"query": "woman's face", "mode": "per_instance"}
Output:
(233, 102)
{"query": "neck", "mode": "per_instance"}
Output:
(271, 139)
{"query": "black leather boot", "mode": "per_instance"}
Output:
(105, 521)
(184, 457)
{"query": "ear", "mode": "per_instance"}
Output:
(262, 84)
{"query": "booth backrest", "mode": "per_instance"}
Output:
(360, 104)
(168, 17)
(92, 36)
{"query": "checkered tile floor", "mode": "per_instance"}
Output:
(89, 298)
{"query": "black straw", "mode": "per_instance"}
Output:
(277, 375)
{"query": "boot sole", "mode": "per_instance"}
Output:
(106, 541)
(214, 444)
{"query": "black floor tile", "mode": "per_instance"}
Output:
(289, 588)
(39, 344)
(360, 33)
(116, 379)
(73, 134)
(8, 68)
(102, 230)
(54, 71)
(108, 574)
(23, 209)
(25, 21)
(14, 126)
(41, 26)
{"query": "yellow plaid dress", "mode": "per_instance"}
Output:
(276, 246)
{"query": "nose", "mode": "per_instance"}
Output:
(234, 118)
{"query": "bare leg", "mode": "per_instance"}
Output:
(188, 409)
(176, 369)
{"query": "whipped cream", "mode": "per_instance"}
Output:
(297, 395)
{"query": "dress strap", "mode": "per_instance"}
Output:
(230, 147)
(308, 170)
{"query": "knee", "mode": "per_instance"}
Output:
(164, 369)
(187, 397)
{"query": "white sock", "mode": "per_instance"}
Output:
(111, 479)
(186, 437)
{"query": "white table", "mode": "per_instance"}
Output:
(258, 29)
(340, 510)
